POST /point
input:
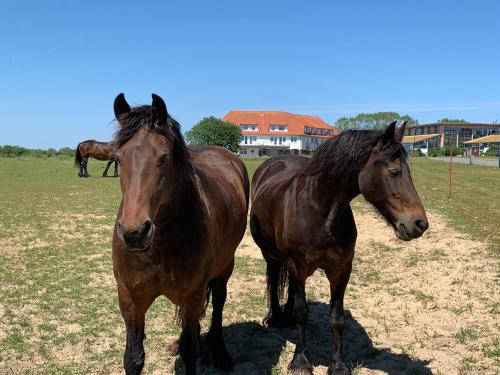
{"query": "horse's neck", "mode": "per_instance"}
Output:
(184, 208)
(334, 190)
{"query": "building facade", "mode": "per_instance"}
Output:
(453, 134)
(270, 133)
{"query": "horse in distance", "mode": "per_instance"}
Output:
(104, 151)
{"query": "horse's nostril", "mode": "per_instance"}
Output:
(145, 228)
(422, 225)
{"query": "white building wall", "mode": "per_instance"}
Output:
(257, 142)
(265, 140)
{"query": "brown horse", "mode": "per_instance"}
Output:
(182, 215)
(96, 150)
(302, 220)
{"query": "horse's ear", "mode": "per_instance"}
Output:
(401, 131)
(120, 106)
(159, 114)
(390, 131)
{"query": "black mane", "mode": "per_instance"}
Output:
(350, 150)
(140, 117)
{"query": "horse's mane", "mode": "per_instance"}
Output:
(140, 117)
(350, 150)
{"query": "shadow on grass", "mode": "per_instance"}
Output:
(256, 350)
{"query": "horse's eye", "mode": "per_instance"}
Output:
(394, 172)
(163, 159)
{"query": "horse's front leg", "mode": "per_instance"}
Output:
(189, 342)
(133, 315)
(105, 173)
(338, 277)
(116, 169)
(300, 363)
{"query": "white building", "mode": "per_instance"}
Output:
(269, 133)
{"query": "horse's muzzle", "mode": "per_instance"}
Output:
(412, 231)
(138, 239)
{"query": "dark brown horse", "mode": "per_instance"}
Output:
(182, 215)
(302, 220)
(96, 150)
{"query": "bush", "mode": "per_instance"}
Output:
(433, 152)
(491, 153)
(415, 153)
(445, 151)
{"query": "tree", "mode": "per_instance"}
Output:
(214, 131)
(378, 120)
(452, 121)
(66, 151)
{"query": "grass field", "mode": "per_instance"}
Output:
(430, 306)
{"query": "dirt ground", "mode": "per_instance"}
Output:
(426, 306)
(429, 306)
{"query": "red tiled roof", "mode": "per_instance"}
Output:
(295, 123)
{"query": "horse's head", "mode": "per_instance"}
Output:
(385, 181)
(149, 141)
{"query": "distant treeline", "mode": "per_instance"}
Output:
(9, 151)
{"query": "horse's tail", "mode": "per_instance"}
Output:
(179, 310)
(78, 156)
(282, 284)
(283, 270)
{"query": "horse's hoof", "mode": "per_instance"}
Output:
(300, 365)
(338, 369)
(218, 357)
(280, 321)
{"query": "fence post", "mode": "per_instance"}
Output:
(449, 182)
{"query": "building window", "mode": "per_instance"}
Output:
(293, 139)
(249, 127)
(243, 151)
(278, 128)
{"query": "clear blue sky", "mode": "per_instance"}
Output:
(63, 62)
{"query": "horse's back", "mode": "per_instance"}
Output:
(224, 189)
(276, 169)
(97, 150)
(221, 167)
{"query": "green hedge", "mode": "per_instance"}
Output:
(445, 151)
(9, 151)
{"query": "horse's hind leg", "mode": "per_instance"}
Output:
(80, 173)
(85, 171)
(215, 352)
(338, 277)
(300, 363)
